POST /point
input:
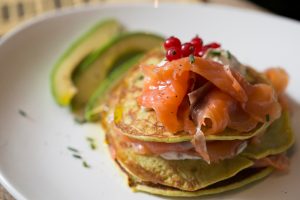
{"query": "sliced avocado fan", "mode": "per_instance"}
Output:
(91, 73)
(63, 89)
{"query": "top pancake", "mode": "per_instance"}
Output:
(139, 123)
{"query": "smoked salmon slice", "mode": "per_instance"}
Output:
(216, 150)
(166, 86)
(279, 162)
(279, 78)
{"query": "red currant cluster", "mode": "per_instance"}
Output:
(175, 50)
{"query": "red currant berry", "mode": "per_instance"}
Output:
(213, 45)
(197, 42)
(198, 51)
(173, 53)
(202, 51)
(187, 49)
(172, 42)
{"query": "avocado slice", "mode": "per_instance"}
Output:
(94, 103)
(62, 86)
(98, 65)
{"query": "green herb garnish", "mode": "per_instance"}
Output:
(141, 77)
(73, 149)
(77, 156)
(92, 143)
(192, 58)
(267, 117)
(215, 53)
(229, 55)
(22, 113)
(84, 163)
(93, 146)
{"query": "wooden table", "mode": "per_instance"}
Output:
(14, 12)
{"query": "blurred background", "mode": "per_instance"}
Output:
(15, 12)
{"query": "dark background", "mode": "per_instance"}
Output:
(288, 8)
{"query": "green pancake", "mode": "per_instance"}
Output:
(277, 139)
(187, 175)
(243, 178)
(156, 175)
(142, 124)
(183, 178)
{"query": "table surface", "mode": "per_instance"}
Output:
(14, 12)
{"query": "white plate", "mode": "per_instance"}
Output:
(34, 160)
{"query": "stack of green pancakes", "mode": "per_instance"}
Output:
(122, 117)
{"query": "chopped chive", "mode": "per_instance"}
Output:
(229, 55)
(93, 146)
(215, 53)
(141, 77)
(22, 113)
(92, 143)
(84, 163)
(192, 58)
(73, 149)
(90, 139)
(77, 156)
(267, 117)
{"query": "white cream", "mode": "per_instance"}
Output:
(178, 156)
(183, 156)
